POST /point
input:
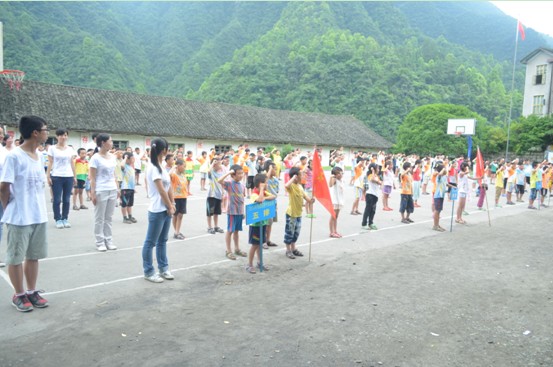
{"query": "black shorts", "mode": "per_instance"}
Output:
(256, 234)
(406, 204)
(438, 204)
(180, 206)
(249, 183)
(127, 198)
(520, 189)
(137, 171)
(213, 207)
(80, 184)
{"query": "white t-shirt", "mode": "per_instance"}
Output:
(388, 178)
(61, 161)
(3, 154)
(137, 161)
(105, 172)
(463, 184)
(152, 174)
(26, 205)
(337, 193)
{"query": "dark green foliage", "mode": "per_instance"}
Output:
(532, 133)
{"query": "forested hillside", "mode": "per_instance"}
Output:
(374, 60)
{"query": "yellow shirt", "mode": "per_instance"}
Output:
(407, 184)
(295, 204)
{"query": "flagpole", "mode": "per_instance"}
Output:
(512, 91)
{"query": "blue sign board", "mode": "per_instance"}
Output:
(453, 194)
(258, 212)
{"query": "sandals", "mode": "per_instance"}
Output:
(75, 207)
(83, 207)
(460, 221)
(240, 253)
(271, 244)
(231, 256)
(250, 269)
(297, 253)
(335, 235)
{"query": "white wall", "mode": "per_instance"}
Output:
(531, 90)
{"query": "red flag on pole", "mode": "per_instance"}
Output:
(521, 31)
(320, 187)
(479, 165)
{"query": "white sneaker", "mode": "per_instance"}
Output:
(154, 278)
(111, 246)
(2, 264)
(66, 223)
(59, 224)
(101, 248)
(167, 275)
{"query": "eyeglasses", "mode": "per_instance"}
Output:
(45, 129)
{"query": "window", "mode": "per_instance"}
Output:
(537, 106)
(541, 71)
(222, 148)
(120, 144)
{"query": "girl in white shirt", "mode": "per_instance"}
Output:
(61, 177)
(160, 211)
(337, 197)
(103, 192)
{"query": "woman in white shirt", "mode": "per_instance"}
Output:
(159, 214)
(61, 177)
(103, 192)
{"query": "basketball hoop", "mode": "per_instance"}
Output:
(458, 134)
(13, 78)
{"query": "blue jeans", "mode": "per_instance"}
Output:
(157, 234)
(61, 189)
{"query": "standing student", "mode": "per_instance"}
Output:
(61, 176)
(406, 207)
(22, 195)
(81, 173)
(103, 191)
(204, 169)
(440, 189)
(252, 172)
(308, 186)
(189, 170)
(257, 231)
(499, 186)
(137, 165)
(3, 154)
(215, 195)
(159, 215)
(417, 178)
(273, 186)
(534, 179)
(520, 181)
(236, 191)
(337, 197)
(128, 186)
(296, 195)
(358, 186)
(372, 187)
(178, 185)
(387, 185)
(463, 185)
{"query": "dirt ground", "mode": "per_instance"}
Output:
(401, 296)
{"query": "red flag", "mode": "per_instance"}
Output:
(479, 165)
(320, 187)
(521, 31)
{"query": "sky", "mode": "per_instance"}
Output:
(537, 15)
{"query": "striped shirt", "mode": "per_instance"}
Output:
(235, 192)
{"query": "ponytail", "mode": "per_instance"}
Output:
(158, 146)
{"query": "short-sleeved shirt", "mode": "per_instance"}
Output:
(215, 188)
(253, 198)
(371, 187)
(152, 175)
(441, 187)
(406, 184)
(295, 204)
(337, 193)
(81, 169)
(61, 161)
(179, 184)
(273, 186)
(26, 204)
(252, 167)
(127, 177)
(105, 172)
(235, 192)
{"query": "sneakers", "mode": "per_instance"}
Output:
(75, 207)
(66, 223)
(290, 255)
(167, 275)
(219, 230)
(409, 220)
(111, 246)
(311, 216)
(132, 219)
(373, 227)
(482, 209)
(365, 227)
(101, 248)
(36, 299)
(498, 206)
(126, 220)
(271, 244)
(211, 231)
(510, 203)
(83, 207)
(265, 246)
(531, 207)
(154, 278)
(178, 236)
(22, 303)
(405, 221)
(59, 224)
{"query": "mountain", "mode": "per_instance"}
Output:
(374, 60)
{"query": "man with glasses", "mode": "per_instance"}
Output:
(22, 186)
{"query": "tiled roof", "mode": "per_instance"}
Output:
(528, 57)
(86, 109)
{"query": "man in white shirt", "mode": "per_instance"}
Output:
(22, 186)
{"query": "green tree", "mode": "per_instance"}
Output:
(532, 133)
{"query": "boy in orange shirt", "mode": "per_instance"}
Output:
(406, 205)
(179, 184)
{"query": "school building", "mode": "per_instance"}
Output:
(538, 84)
(134, 119)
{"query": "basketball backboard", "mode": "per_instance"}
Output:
(462, 126)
